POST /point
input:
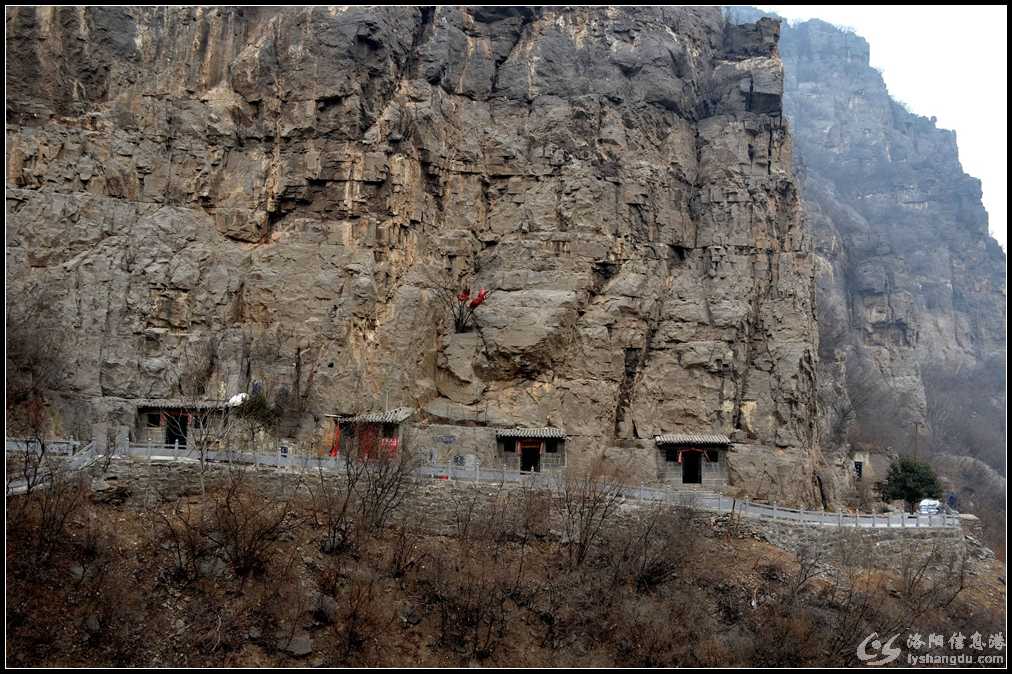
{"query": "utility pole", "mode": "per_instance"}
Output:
(917, 440)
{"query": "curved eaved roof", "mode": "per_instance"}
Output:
(394, 416)
(529, 433)
(692, 439)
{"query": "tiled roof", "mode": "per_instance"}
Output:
(529, 433)
(692, 439)
(179, 403)
(394, 416)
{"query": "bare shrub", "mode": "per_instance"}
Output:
(362, 499)
(334, 500)
(37, 522)
(475, 584)
(856, 599)
(105, 590)
(464, 506)
(965, 409)
(470, 590)
(245, 524)
(516, 514)
(931, 579)
(657, 632)
(586, 502)
(654, 547)
(385, 481)
(361, 618)
(786, 633)
(182, 531)
(530, 509)
(453, 291)
(407, 551)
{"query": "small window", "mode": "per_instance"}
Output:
(858, 470)
(389, 430)
(671, 454)
(711, 455)
(154, 419)
(551, 445)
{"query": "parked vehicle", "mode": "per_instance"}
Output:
(929, 506)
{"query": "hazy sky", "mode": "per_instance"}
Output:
(948, 62)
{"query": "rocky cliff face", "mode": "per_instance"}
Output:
(621, 177)
(911, 287)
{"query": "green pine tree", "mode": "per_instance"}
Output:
(911, 480)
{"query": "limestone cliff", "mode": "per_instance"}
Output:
(621, 176)
(907, 268)
(911, 287)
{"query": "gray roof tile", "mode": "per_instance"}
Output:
(394, 416)
(530, 433)
(692, 439)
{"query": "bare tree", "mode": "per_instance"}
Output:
(36, 367)
(208, 421)
(245, 523)
(361, 500)
(587, 500)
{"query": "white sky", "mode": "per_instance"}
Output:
(947, 62)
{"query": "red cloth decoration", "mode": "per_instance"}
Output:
(479, 298)
(690, 449)
(335, 449)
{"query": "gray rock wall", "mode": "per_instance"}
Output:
(621, 176)
(906, 262)
(909, 282)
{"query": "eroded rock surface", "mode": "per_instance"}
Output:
(906, 264)
(621, 176)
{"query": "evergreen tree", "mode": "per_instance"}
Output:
(911, 480)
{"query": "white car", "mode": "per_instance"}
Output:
(929, 506)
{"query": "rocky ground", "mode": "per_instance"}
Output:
(240, 572)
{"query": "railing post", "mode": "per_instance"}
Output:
(774, 511)
(903, 520)
(175, 447)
